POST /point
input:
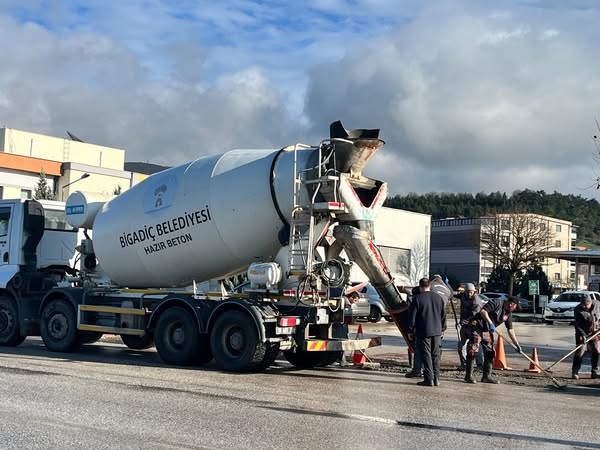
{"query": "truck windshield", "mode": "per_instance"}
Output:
(56, 220)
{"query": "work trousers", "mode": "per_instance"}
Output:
(477, 338)
(594, 347)
(429, 347)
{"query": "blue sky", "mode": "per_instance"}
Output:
(471, 96)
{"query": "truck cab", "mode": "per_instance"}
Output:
(37, 250)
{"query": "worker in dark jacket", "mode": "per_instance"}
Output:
(470, 305)
(481, 330)
(427, 321)
(587, 322)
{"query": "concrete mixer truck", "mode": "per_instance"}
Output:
(295, 219)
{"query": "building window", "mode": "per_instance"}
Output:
(557, 243)
(542, 226)
(1, 192)
(557, 276)
(572, 275)
(596, 268)
(399, 259)
(557, 261)
(505, 224)
(558, 228)
(26, 194)
(573, 242)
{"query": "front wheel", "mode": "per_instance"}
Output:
(374, 315)
(138, 342)
(10, 335)
(59, 326)
(235, 344)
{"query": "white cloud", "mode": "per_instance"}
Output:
(460, 91)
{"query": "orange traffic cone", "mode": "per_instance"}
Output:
(532, 367)
(359, 356)
(500, 358)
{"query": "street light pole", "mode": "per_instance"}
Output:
(85, 175)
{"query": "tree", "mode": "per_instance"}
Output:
(515, 242)
(42, 190)
(498, 280)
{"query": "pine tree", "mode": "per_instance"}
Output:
(42, 190)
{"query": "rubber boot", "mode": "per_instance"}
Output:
(469, 366)
(487, 372)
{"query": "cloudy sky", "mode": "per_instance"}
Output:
(471, 96)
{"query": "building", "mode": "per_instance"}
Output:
(457, 250)
(403, 237)
(65, 161)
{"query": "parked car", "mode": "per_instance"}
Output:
(561, 309)
(525, 304)
(377, 308)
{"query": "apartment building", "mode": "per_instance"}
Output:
(457, 248)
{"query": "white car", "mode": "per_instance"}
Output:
(377, 308)
(561, 309)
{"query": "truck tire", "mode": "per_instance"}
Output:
(235, 344)
(58, 326)
(374, 315)
(177, 339)
(138, 342)
(10, 335)
(308, 360)
(89, 337)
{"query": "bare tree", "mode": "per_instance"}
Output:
(419, 263)
(515, 242)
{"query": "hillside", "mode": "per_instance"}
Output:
(584, 213)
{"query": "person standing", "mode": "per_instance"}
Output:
(470, 305)
(587, 322)
(427, 322)
(481, 330)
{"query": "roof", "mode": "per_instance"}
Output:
(145, 168)
(582, 256)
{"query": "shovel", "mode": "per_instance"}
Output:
(544, 371)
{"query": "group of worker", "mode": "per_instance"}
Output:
(476, 328)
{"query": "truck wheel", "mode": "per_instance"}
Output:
(58, 326)
(138, 342)
(308, 360)
(10, 335)
(375, 314)
(89, 337)
(235, 344)
(176, 337)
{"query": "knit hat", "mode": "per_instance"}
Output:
(469, 287)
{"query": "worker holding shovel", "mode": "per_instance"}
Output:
(481, 329)
(587, 322)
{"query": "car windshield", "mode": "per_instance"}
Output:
(572, 297)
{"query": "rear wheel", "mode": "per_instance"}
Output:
(59, 326)
(176, 337)
(235, 344)
(10, 335)
(138, 342)
(374, 315)
(308, 360)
